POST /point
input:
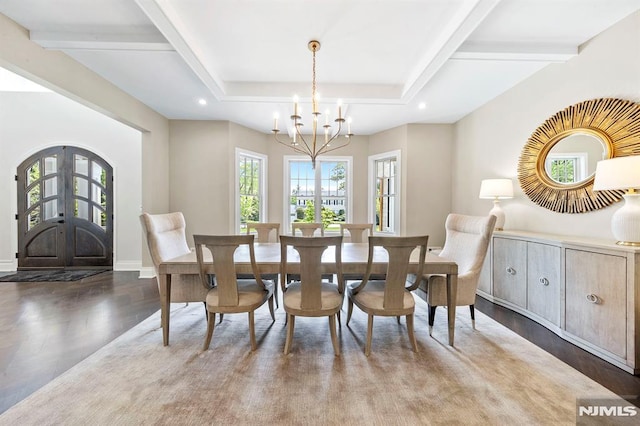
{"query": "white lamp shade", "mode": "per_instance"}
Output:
(496, 189)
(617, 173)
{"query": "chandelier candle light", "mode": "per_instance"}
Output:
(314, 147)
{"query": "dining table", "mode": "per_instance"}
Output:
(354, 258)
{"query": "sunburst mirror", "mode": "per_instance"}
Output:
(557, 164)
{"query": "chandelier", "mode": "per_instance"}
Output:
(314, 146)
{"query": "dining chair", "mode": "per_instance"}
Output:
(389, 297)
(466, 242)
(166, 239)
(230, 295)
(311, 296)
(358, 232)
(307, 229)
(266, 232)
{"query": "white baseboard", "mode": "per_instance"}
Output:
(8, 265)
(127, 265)
(147, 272)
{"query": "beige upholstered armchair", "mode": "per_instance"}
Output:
(467, 241)
(166, 238)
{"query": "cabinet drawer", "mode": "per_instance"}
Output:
(595, 304)
(543, 281)
(510, 270)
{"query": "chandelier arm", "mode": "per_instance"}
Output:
(324, 147)
(329, 149)
(289, 145)
(308, 150)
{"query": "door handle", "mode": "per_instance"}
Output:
(61, 221)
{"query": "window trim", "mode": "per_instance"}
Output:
(264, 185)
(580, 164)
(286, 161)
(371, 191)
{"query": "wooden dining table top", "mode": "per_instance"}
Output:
(354, 258)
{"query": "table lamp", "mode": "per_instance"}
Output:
(622, 173)
(496, 190)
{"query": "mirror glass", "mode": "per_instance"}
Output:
(573, 159)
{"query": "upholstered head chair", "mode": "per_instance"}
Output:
(166, 238)
(467, 241)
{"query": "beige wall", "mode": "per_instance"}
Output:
(488, 141)
(57, 71)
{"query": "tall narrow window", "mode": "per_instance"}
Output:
(566, 167)
(251, 188)
(321, 194)
(384, 173)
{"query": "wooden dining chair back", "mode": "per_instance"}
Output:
(466, 242)
(266, 232)
(311, 296)
(392, 296)
(307, 229)
(230, 295)
(358, 232)
(166, 239)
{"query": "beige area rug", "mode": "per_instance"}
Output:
(491, 376)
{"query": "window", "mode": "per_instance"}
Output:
(318, 195)
(251, 186)
(384, 192)
(566, 168)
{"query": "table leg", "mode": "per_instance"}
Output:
(165, 304)
(452, 295)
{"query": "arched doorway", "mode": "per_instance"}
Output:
(65, 209)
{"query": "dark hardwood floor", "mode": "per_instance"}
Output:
(47, 328)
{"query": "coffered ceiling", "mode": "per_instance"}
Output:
(382, 58)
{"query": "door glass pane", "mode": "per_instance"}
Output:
(51, 187)
(50, 209)
(81, 164)
(99, 217)
(50, 165)
(80, 187)
(33, 196)
(33, 173)
(98, 173)
(98, 196)
(34, 218)
(81, 209)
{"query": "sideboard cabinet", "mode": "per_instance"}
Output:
(586, 291)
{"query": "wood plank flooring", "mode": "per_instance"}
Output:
(47, 328)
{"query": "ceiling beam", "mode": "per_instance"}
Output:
(95, 41)
(514, 52)
(469, 16)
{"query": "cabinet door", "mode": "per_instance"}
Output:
(543, 281)
(596, 308)
(510, 270)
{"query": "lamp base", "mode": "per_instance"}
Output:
(499, 214)
(625, 223)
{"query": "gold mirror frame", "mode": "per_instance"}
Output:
(615, 122)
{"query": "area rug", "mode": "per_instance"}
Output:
(491, 376)
(50, 275)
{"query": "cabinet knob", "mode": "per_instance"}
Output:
(511, 271)
(544, 281)
(593, 298)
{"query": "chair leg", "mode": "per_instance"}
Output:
(350, 311)
(339, 322)
(398, 319)
(275, 293)
(290, 323)
(412, 336)
(270, 301)
(473, 316)
(252, 332)
(432, 317)
(334, 337)
(221, 316)
(211, 323)
(367, 347)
